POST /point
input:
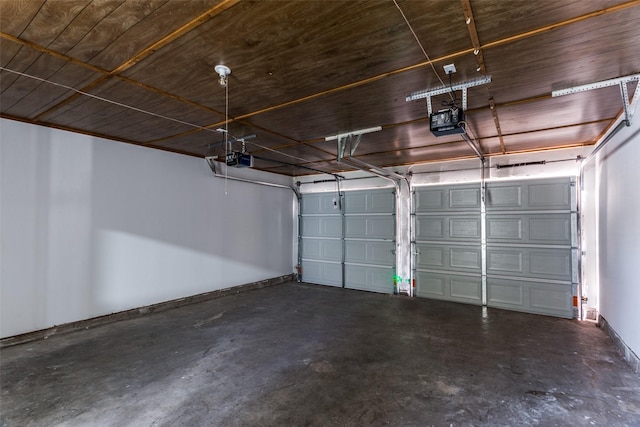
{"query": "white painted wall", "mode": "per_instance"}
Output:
(89, 227)
(617, 198)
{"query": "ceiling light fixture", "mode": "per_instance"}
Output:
(223, 71)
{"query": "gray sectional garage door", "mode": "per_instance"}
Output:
(529, 262)
(516, 251)
(531, 246)
(447, 243)
(350, 244)
(370, 240)
(321, 239)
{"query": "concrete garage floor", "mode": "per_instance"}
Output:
(295, 354)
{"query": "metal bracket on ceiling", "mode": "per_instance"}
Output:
(348, 143)
(620, 81)
(428, 93)
(347, 139)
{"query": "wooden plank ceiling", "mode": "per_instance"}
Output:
(142, 72)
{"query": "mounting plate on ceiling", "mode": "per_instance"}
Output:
(222, 70)
(449, 69)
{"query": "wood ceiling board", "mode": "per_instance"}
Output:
(295, 50)
(556, 138)
(55, 19)
(327, 167)
(135, 26)
(197, 142)
(61, 29)
(123, 92)
(8, 50)
(33, 62)
(300, 153)
(480, 122)
(498, 19)
(27, 97)
(439, 25)
(378, 103)
(440, 152)
(582, 52)
(15, 15)
(108, 33)
(490, 146)
(568, 110)
(122, 123)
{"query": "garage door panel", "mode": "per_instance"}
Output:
(370, 227)
(382, 201)
(465, 288)
(322, 249)
(550, 263)
(465, 228)
(431, 199)
(432, 285)
(432, 228)
(367, 252)
(505, 261)
(463, 198)
(322, 226)
(554, 195)
(465, 257)
(448, 227)
(548, 194)
(541, 263)
(325, 203)
(322, 273)
(369, 278)
(549, 229)
(530, 296)
(550, 297)
(502, 293)
(504, 196)
(448, 257)
(449, 287)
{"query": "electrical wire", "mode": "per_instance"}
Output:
(420, 44)
(226, 134)
(110, 101)
(120, 104)
(452, 94)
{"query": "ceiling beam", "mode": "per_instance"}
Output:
(494, 112)
(473, 34)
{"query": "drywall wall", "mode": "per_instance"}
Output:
(617, 197)
(90, 227)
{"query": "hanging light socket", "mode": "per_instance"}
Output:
(223, 71)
